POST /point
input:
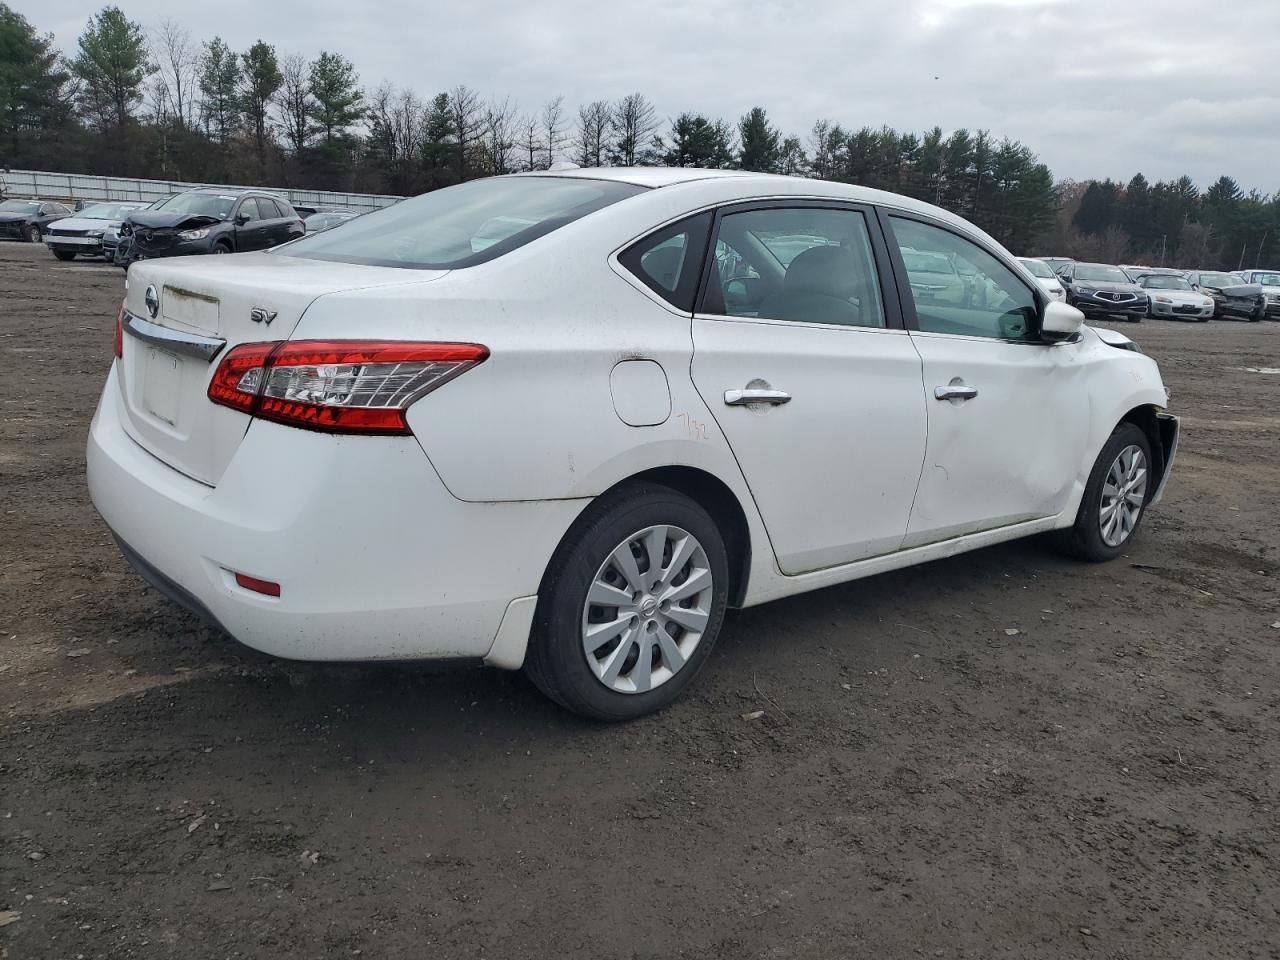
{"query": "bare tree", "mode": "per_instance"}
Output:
(464, 112)
(174, 84)
(529, 134)
(591, 140)
(500, 134)
(633, 124)
(553, 127)
(294, 102)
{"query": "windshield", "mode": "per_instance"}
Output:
(1219, 280)
(1158, 282)
(1267, 279)
(926, 262)
(19, 206)
(1103, 274)
(1038, 269)
(216, 205)
(107, 211)
(464, 225)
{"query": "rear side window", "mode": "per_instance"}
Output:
(668, 261)
(464, 225)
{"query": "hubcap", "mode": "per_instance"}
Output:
(646, 609)
(1123, 493)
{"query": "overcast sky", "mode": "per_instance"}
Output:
(1096, 87)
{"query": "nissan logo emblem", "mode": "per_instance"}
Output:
(152, 300)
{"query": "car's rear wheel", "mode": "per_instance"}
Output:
(33, 234)
(631, 604)
(1115, 498)
(65, 254)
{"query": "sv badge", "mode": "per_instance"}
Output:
(262, 315)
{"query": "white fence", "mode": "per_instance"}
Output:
(68, 187)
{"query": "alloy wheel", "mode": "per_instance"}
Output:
(1123, 493)
(647, 608)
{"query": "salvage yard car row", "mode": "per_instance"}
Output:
(194, 222)
(1132, 292)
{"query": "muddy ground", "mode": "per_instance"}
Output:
(923, 782)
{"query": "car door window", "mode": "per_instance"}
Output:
(668, 261)
(959, 288)
(249, 209)
(799, 264)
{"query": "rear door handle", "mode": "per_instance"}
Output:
(740, 398)
(955, 391)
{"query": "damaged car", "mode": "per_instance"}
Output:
(208, 221)
(1233, 299)
(83, 234)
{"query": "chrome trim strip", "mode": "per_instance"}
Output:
(175, 341)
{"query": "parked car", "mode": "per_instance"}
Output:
(327, 220)
(1055, 263)
(1269, 280)
(1045, 277)
(208, 221)
(1173, 297)
(1232, 297)
(82, 233)
(27, 219)
(567, 451)
(1100, 289)
(111, 235)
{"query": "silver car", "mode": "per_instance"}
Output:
(1171, 296)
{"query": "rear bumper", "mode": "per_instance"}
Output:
(375, 559)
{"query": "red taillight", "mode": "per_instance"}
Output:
(339, 386)
(266, 587)
(120, 330)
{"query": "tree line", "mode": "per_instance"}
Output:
(157, 103)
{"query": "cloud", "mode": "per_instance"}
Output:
(1096, 87)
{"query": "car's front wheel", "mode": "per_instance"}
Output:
(631, 604)
(33, 234)
(1115, 497)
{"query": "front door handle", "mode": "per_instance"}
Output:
(955, 391)
(740, 398)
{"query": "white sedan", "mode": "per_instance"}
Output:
(1045, 276)
(561, 421)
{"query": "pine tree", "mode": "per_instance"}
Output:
(111, 64)
(219, 82)
(262, 80)
(760, 143)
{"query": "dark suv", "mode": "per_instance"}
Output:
(208, 221)
(1100, 289)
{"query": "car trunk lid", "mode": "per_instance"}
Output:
(203, 307)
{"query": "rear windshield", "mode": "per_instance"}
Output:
(1101, 273)
(464, 225)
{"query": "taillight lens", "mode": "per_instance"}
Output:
(120, 330)
(339, 386)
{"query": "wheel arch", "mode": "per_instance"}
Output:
(1146, 417)
(713, 495)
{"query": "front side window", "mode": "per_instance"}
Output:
(976, 296)
(669, 260)
(800, 264)
(249, 209)
(464, 225)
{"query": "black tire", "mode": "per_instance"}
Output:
(65, 254)
(1084, 539)
(221, 248)
(33, 234)
(557, 662)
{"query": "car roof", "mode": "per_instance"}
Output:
(751, 185)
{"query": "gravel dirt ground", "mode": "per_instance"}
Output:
(1002, 755)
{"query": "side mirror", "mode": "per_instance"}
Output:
(241, 219)
(1059, 322)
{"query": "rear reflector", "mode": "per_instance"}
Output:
(120, 330)
(338, 386)
(258, 586)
